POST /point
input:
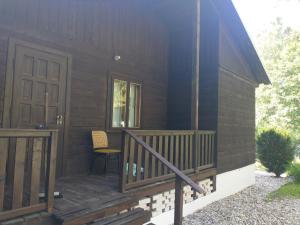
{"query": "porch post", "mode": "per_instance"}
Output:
(196, 69)
(178, 208)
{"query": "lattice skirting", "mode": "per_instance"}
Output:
(164, 202)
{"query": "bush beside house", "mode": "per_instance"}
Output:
(275, 150)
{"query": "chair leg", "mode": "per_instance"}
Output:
(119, 162)
(105, 163)
(92, 164)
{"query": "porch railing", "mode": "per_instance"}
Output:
(27, 168)
(204, 149)
(187, 150)
(181, 178)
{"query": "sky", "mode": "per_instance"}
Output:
(257, 15)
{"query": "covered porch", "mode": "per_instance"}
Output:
(31, 185)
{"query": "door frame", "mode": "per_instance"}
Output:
(9, 82)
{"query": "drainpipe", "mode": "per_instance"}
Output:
(196, 68)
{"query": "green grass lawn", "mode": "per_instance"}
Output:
(289, 190)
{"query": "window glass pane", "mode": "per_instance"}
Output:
(119, 103)
(134, 106)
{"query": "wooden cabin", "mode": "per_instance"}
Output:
(171, 82)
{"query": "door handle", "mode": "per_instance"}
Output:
(59, 120)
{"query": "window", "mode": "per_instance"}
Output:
(119, 103)
(134, 105)
(126, 104)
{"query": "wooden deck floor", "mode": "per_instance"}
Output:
(90, 198)
(95, 200)
(93, 190)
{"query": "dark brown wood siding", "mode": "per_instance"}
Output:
(236, 108)
(181, 65)
(227, 93)
(209, 62)
(93, 32)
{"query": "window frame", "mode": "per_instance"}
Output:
(129, 80)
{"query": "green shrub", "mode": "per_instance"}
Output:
(294, 171)
(275, 150)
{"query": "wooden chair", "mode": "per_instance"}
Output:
(101, 148)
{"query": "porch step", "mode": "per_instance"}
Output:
(135, 217)
(92, 212)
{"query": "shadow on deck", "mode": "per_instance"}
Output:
(84, 190)
(96, 199)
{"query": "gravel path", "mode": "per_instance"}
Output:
(249, 207)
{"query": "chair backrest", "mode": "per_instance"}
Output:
(99, 139)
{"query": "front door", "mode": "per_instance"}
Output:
(39, 91)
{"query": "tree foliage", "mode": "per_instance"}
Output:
(278, 105)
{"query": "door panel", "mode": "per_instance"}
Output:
(39, 91)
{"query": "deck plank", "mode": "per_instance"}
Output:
(88, 197)
(136, 216)
(82, 190)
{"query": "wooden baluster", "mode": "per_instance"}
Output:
(160, 149)
(199, 149)
(125, 144)
(207, 149)
(181, 152)
(3, 159)
(210, 149)
(146, 169)
(178, 201)
(166, 153)
(195, 151)
(21, 145)
(192, 149)
(44, 160)
(28, 169)
(205, 146)
(131, 160)
(51, 171)
(213, 150)
(11, 162)
(36, 170)
(171, 150)
(153, 159)
(177, 151)
(139, 163)
(202, 149)
(187, 150)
